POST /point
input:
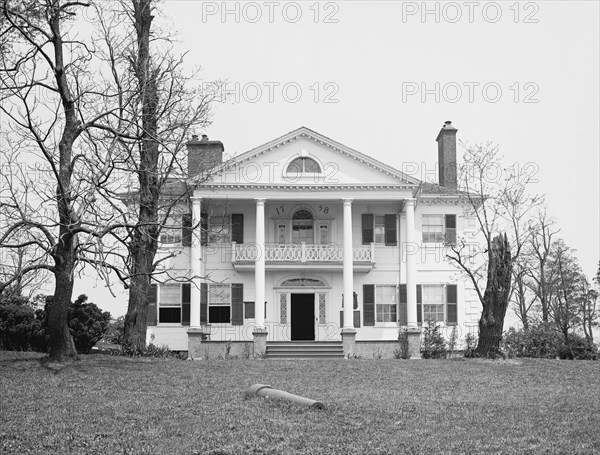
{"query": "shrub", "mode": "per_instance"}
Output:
(115, 332)
(577, 348)
(16, 320)
(403, 351)
(540, 341)
(22, 328)
(452, 341)
(87, 324)
(434, 346)
(470, 345)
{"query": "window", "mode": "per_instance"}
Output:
(302, 227)
(302, 166)
(385, 303)
(439, 228)
(323, 233)
(433, 303)
(219, 229)
(219, 303)
(281, 233)
(379, 228)
(433, 228)
(171, 230)
(169, 309)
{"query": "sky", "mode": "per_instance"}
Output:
(383, 76)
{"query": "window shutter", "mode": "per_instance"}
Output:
(369, 304)
(450, 224)
(419, 304)
(237, 304)
(403, 305)
(452, 302)
(203, 303)
(390, 230)
(186, 291)
(203, 228)
(357, 319)
(152, 298)
(186, 229)
(237, 228)
(249, 310)
(367, 228)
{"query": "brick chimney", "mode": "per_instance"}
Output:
(446, 140)
(203, 154)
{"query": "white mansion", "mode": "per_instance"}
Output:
(303, 241)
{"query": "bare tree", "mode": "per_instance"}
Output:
(496, 197)
(160, 107)
(47, 86)
(567, 286)
(539, 275)
(588, 311)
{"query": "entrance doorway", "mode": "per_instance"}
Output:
(303, 317)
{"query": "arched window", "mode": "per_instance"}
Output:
(303, 165)
(302, 227)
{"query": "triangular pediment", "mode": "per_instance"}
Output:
(269, 164)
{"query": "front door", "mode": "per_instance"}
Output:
(303, 317)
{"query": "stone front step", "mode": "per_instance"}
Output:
(296, 350)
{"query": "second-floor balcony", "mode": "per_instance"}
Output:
(297, 256)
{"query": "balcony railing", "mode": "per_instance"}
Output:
(302, 254)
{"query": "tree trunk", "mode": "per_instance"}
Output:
(137, 311)
(495, 298)
(144, 243)
(61, 342)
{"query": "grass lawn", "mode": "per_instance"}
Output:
(109, 405)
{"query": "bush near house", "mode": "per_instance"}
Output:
(87, 324)
(434, 345)
(115, 332)
(543, 341)
(23, 328)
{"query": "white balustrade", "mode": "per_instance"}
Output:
(291, 252)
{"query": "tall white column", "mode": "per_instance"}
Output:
(195, 263)
(410, 250)
(348, 266)
(259, 265)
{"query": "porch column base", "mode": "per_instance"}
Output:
(196, 336)
(414, 342)
(349, 342)
(260, 342)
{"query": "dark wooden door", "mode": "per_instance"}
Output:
(303, 317)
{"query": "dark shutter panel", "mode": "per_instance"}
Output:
(249, 310)
(151, 318)
(450, 229)
(186, 292)
(452, 302)
(368, 305)
(186, 229)
(419, 304)
(341, 319)
(237, 228)
(237, 304)
(390, 230)
(403, 305)
(203, 228)
(367, 228)
(203, 303)
(357, 319)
